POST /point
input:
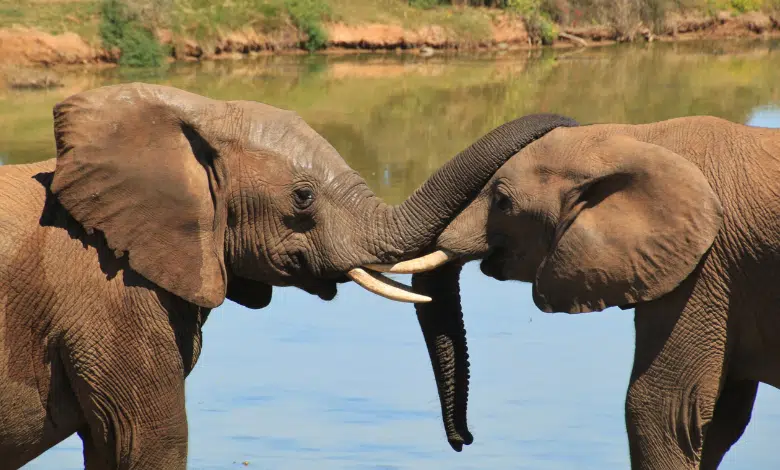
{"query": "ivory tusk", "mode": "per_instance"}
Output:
(416, 265)
(386, 287)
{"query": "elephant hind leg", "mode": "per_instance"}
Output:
(732, 415)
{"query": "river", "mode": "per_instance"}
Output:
(347, 384)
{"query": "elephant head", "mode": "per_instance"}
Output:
(211, 199)
(594, 216)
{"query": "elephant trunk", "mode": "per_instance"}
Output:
(396, 232)
(441, 321)
(415, 224)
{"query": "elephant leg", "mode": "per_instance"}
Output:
(677, 374)
(93, 458)
(131, 393)
(732, 415)
(132, 428)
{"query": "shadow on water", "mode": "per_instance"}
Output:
(347, 384)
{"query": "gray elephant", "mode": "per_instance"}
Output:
(159, 205)
(678, 219)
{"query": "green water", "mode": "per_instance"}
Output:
(395, 118)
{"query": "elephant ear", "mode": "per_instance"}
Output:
(141, 163)
(630, 234)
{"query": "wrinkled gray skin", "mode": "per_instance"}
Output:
(679, 219)
(159, 205)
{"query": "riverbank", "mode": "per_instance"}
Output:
(77, 37)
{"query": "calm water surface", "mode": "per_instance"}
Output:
(347, 384)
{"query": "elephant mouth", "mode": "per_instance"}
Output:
(493, 265)
(324, 290)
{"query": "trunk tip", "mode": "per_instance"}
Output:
(458, 440)
(456, 444)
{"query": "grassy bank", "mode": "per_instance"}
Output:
(148, 32)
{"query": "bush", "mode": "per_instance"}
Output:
(472, 3)
(307, 16)
(121, 29)
(744, 6)
(540, 27)
(426, 4)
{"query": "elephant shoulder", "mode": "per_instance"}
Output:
(23, 194)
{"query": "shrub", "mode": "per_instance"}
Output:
(426, 4)
(307, 16)
(744, 6)
(121, 29)
(540, 27)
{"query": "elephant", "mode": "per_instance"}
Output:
(160, 204)
(679, 220)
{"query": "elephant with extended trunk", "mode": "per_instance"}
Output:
(159, 205)
(678, 219)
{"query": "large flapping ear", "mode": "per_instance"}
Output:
(631, 234)
(142, 164)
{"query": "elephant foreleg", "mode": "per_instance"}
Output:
(732, 415)
(130, 390)
(137, 423)
(676, 378)
(93, 458)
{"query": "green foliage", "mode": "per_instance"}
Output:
(540, 27)
(121, 29)
(11, 12)
(426, 4)
(744, 6)
(524, 7)
(206, 20)
(307, 15)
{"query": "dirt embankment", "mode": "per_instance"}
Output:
(31, 47)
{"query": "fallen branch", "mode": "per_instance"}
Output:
(573, 38)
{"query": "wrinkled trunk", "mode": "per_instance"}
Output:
(441, 321)
(411, 226)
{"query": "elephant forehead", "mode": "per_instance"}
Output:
(285, 134)
(564, 143)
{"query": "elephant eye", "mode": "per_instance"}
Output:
(502, 202)
(303, 197)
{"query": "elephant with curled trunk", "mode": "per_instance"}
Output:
(678, 219)
(159, 205)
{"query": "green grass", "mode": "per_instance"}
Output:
(78, 16)
(206, 19)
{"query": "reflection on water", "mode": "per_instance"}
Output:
(395, 120)
(347, 384)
